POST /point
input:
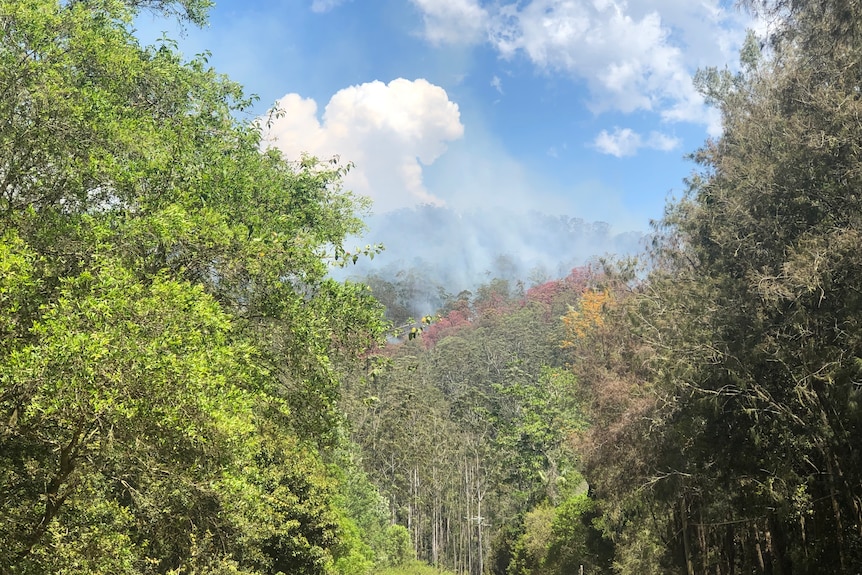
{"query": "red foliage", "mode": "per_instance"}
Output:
(548, 292)
(578, 278)
(494, 305)
(452, 321)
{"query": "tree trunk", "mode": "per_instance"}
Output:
(686, 539)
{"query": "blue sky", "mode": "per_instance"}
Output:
(577, 107)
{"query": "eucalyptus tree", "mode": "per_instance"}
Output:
(469, 426)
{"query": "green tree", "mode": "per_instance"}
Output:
(168, 332)
(468, 427)
(746, 335)
(561, 540)
(126, 398)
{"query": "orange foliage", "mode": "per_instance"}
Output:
(587, 317)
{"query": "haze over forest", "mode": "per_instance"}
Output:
(201, 375)
(446, 251)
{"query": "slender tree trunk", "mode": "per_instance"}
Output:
(836, 510)
(704, 544)
(480, 494)
(686, 538)
(469, 509)
(481, 550)
(730, 550)
(774, 562)
(759, 550)
(435, 524)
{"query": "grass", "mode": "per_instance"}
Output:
(414, 568)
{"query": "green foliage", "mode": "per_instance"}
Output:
(18, 288)
(577, 540)
(539, 425)
(118, 378)
(301, 527)
(531, 549)
(560, 540)
(414, 568)
(168, 333)
(399, 547)
(735, 396)
(471, 425)
(365, 514)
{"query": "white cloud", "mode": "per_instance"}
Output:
(453, 21)
(627, 60)
(497, 84)
(662, 142)
(637, 56)
(623, 142)
(389, 131)
(325, 5)
(626, 142)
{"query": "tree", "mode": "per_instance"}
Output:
(468, 427)
(746, 341)
(169, 332)
(562, 539)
